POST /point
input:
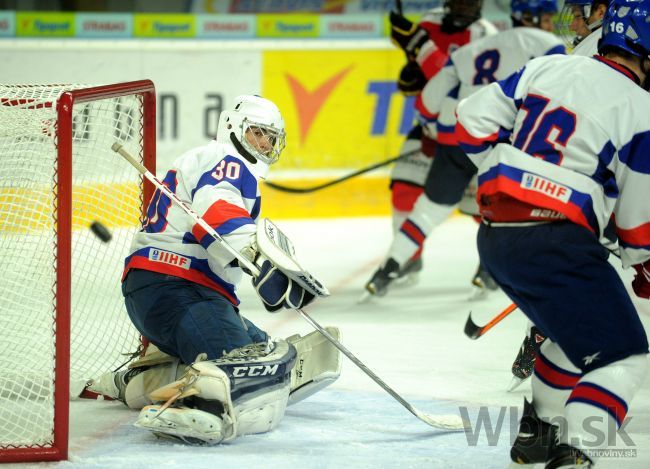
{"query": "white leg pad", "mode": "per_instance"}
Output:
(142, 385)
(318, 364)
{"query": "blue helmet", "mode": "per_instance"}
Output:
(531, 10)
(626, 26)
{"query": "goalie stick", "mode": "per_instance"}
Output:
(305, 190)
(444, 422)
(473, 331)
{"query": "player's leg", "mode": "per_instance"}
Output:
(587, 313)
(448, 176)
(182, 318)
(244, 392)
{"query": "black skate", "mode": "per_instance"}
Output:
(384, 276)
(567, 457)
(535, 439)
(409, 274)
(483, 283)
(522, 367)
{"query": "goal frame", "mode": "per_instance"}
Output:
(63, 220)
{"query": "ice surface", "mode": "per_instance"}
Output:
(413, 339)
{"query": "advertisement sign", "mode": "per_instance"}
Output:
(104, 25)
(168, 26)
(43, 24)
(225, 26)
(7, 23)
(288, 26)
(342, 108)
(350, 26)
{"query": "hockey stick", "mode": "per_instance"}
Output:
(474, 331)
(305, 190)
(445, 422)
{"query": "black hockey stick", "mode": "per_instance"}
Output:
(305, 190)
(444, 422)
(473, 331)
(398, 7)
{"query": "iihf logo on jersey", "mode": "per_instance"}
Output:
(170, 258)
(546, 186)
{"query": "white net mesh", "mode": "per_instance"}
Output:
(104, 189)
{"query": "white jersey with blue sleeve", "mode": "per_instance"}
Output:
(570, 134)
(480, 63)
(220, 186)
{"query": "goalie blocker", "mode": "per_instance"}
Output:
(244, 392)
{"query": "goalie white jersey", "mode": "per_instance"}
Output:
(477, 64)
(222, 188)
(561, 151)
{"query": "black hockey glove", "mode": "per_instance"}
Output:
(277, 291)
(407, 35)
(411, 79)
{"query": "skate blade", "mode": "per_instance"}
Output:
(365, 297)
(515, 383)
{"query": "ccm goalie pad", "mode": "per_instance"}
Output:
(244, 392)
(274, 245)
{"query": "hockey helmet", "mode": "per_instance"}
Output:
(255, 127)
(459, 14)
(531, 11)
(575, 16)
(626, 26)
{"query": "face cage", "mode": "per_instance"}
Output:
(565, 18)
(275, 136)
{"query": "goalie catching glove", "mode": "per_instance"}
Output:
(278, 291)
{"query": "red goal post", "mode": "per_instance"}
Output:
(61, 309)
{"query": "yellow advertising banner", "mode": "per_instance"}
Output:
(45, 24)
(342, 108)
(287, 26)
(164, 25)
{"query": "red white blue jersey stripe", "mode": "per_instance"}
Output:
(585, 157)
(222, 188)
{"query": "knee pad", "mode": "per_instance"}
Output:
(245, 391)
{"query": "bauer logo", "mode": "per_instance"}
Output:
(166, 257)
(546, 186)
(255, 370)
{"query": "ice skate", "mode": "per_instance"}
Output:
(482, 284)
(381, 279)
(409, 275)
(534, 439)
(522, 367)
(567, 457)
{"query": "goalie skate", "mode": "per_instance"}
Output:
(191, 426)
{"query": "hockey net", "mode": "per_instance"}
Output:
(61, 310)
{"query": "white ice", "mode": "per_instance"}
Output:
(413, 339)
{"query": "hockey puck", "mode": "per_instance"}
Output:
(101, 232)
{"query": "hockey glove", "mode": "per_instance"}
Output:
(641, 282)
(411, 79)
(407, 35)
(277, 291)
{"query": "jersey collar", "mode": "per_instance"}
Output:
(619, 68)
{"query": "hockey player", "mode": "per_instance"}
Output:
(470, 67)
(179, 286)
(579, 20)
(427, 46)
(555, 161)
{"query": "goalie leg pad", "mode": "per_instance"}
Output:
(318, 364)
(140, 387)
(246, 391)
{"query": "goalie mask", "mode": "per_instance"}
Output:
(256, 128)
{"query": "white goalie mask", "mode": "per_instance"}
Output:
(255, 126)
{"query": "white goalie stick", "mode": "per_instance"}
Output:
(444, 422)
